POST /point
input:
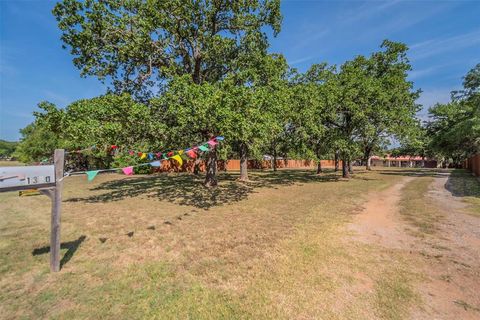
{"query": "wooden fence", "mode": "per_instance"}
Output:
(234, 165)
(473, 164)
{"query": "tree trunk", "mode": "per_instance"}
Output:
(274, 160)
(319, 167)
(369, 163)
(336, 161)
(367, 159)
(345, 172)
(350, 166)
(196, 167)
(243, 162)
(211, 176)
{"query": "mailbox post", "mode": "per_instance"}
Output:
(55, 194)
(49, 181)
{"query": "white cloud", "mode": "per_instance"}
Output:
(433, 47)
(367, 10)
(415, 74)
(300, 60)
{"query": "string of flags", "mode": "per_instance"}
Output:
(155, 157)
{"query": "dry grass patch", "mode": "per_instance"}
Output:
(4, 163)
(417, 210)
(395, 294)
(275, 248)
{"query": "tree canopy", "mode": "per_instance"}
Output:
(139, 44)
(454, 127)
(7, 148)
(182, 72)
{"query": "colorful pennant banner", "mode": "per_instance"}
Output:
(191, 153)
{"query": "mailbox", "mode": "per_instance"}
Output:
(27, 177)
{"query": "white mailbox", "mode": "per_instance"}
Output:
(28, 177)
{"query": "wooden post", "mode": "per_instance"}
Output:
(55, 194)
(58, 160)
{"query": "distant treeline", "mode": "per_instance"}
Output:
(7, 148)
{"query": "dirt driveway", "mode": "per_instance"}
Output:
(450, 256)
(442, 240)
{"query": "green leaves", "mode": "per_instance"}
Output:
(355, 107)
(454, 130)
(137, 44)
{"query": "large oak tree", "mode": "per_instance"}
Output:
(140, 45)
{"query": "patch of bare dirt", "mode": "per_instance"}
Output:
(380, 223)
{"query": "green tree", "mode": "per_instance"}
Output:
(7, 148)
(140, 44)
(137, 43)
(193, 112)
(390, 107)
(348, 89)
(38, 141)
(101, 122)
(314, 111)
(257, 100)
(454, 128)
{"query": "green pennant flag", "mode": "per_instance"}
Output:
(92, 174)
(204, 147)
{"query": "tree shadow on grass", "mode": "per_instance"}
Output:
(187, 189)
(71, 247)
(462, 183)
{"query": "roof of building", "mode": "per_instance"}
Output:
(399, 158)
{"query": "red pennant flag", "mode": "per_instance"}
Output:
(191, 153)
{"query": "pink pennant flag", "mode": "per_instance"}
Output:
(212, 142)
(128, 171)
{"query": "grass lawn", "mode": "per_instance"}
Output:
(4, 163)
(417, 210)
(164, 247)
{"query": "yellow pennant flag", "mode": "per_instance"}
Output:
(180, 151)
(178, 159)
(143, 156)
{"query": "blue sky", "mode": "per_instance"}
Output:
(444, 37)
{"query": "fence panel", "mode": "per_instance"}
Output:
(234, 165)
(473, 164)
